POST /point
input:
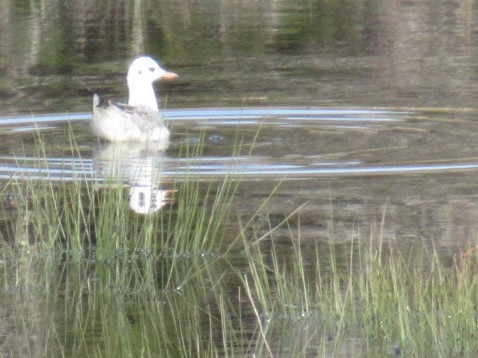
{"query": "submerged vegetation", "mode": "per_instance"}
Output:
(83, 275)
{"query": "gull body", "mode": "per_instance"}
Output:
(139, 120)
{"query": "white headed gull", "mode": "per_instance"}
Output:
(139, 120)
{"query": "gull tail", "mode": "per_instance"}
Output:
(100, 101)
(96, 100)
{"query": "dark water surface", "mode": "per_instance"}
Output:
(364, 110)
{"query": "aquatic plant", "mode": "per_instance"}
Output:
(87, 276)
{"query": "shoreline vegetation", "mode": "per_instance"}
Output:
(86, 276)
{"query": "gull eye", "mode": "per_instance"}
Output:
(151, 69)
(140, 72)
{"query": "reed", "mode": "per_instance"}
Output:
(385, 302)
(85, 276)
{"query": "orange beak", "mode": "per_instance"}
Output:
(168, 76)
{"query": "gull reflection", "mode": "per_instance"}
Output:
(138, 165)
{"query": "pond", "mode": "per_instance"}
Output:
(334, 121)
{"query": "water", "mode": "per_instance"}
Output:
(398, 158)
(273, 127)
(363, 110)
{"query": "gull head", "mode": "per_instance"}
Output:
(146, 70)
(142, 73)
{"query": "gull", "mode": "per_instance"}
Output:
(139, 120)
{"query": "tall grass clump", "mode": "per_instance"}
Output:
(418, 302)
(105, 261)
(86, 276)
(360, 297)
(79, 214)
